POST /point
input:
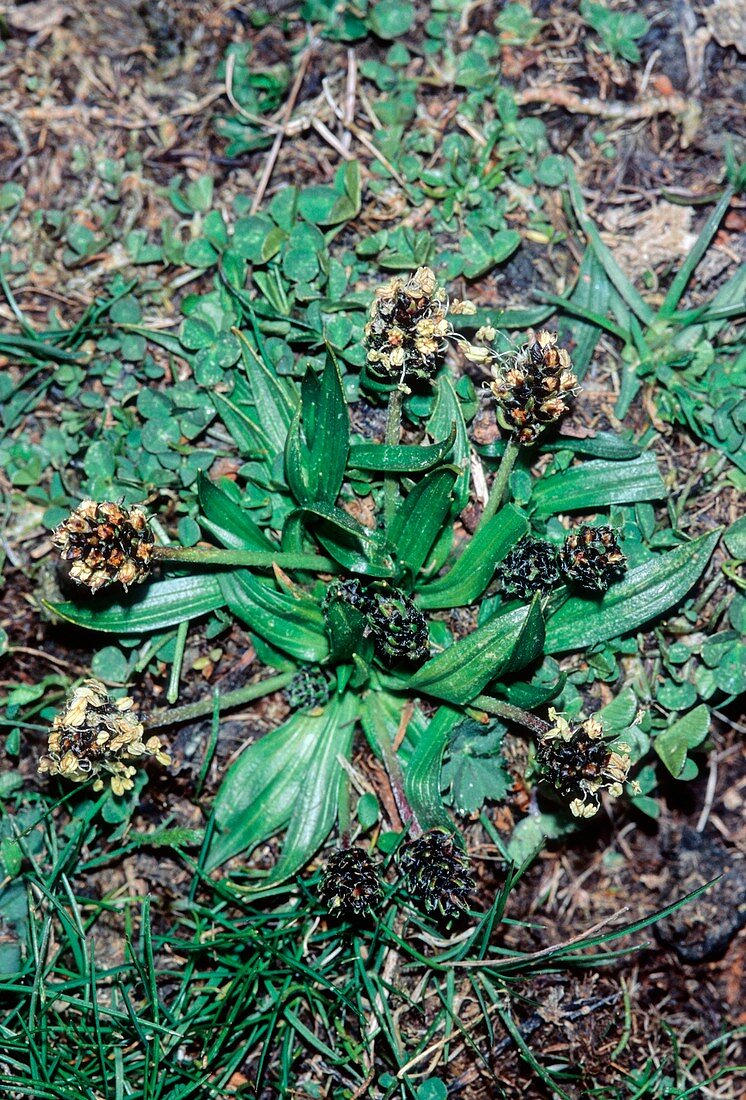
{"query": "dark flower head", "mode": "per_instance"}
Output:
(533, 388)
(349, 591)
(591, 558)
(398, 626)
(436, 870)
(351, 885)
(578, 763)
(106, 544)
(308, 689)
(530, 567)
(93, 734)
(392, 620)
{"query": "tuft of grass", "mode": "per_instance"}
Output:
(212, 983)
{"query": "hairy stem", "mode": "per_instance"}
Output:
(169, 716)
(393, 434)
(500, 484)
(343, 810)
(512, 713)
(396, 779)
(260, 559)
(485, 703)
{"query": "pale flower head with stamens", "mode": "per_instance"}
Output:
(408, 329)
(533, 387)
(95, 736)
(579, 763)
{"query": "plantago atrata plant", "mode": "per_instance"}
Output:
(352, 616)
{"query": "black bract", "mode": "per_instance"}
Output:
(530, 567)
(397, 627)
(351, 885)
(591, 558)
(437, 872)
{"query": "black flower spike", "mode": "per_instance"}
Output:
(351, 885)
(308, 689)
(530, 567)
(399, 627)
(591, 558)
(349, 591)
(534, 388)
(436, 870)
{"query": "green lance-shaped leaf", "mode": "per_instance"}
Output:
(685, 272)
(419, 520)
(152, 606)
(592, 291)
(227, 521)
(400, 459)
(467, 579)
(275, 399)
(357, 548)
(290, 621)
(508, 641)
(260, 409)
(316, 810)
(446, 415)
(242, 422)
(606, 445)
(253, 437)
(319, 438)
(278, 778)
(627, 292)
(599, 484)
(643, 594)
(422, 776)
(686, 733)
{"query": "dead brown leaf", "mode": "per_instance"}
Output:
(659, 235)
(40, 16)
(727, 22)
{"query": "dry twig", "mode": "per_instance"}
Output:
(280, 136)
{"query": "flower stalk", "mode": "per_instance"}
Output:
(513, 713)
(392, 436)
(500, 484)
(258, 559)
(110, 544)
(171, 716)
(385, 746)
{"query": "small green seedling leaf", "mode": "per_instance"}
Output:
(686, 733)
